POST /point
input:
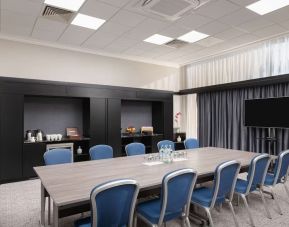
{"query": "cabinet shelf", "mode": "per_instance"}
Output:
(64, 140)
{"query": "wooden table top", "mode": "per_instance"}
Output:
(72, 183)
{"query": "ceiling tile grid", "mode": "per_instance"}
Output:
(75, 35)
(218, 9)
(228, 23)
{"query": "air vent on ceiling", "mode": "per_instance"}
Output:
(176, 43)
(170, 9)
(58, 14)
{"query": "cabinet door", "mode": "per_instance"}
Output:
(32, 156)
(11, 136)
(114, 125)
(97, 121)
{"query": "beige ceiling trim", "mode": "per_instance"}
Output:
(231, 50)
(85, 50)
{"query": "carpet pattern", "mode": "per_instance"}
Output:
(20, 207)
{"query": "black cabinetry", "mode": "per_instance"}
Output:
(114, 125)
(97, 122)
(32, 156)
(101, 123)
(11, 136)
(150, 141)
(33, 153)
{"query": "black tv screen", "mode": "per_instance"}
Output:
(267, 113)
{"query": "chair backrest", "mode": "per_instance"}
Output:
(135, 149)
(257, 171)
(113, 203)
(100, 152)
(58, 156)
(177, 189)
(281, 167)
(167, 143)
(225, 179)
(191, 143)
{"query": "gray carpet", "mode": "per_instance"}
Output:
(20, 207)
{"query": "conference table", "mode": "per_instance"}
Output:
(69, 185)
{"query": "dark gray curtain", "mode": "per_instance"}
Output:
(221, 119)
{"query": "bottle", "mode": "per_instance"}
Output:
(179, 139)
(28, 135)
(39, 135)
(161, 153)
(171, 158)
(166, 155)
(79, 150)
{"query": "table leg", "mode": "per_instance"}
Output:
(55, 215)
(42, 216)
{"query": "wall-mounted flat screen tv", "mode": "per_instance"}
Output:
(267, 113)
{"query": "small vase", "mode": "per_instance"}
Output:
(79, 150)
(176, 129)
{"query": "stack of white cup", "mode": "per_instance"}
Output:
(53, 137)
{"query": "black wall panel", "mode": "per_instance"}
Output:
(32, 156)
(34, 89)
(168, 120)
(114, 125)
(11, 139)
(97, 121)
(99, 92)
(101, 118)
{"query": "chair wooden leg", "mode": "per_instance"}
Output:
(276, 201)
(265, 205)
(234, 215)
(248, 209)
(209, 216)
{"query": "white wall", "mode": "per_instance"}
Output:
(24, 60)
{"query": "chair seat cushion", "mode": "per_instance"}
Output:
(85, 222)
(241, 186)
(151, 210)
(203, 196)
(269, 180)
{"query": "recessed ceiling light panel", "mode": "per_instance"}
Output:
(193, 36)
(267, 6)
(72, 5)
(158, 39)
(87, 21)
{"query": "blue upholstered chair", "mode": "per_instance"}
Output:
(222, 191)
(279, 175)
(177, 188)
(191, 143)
(167, 143)
(100, 152)
(255, 181)
(58, 156)
(112, 204)
(135, 149)
(55, 157)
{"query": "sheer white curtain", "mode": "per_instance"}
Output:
(258, 60)
(263, 59)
